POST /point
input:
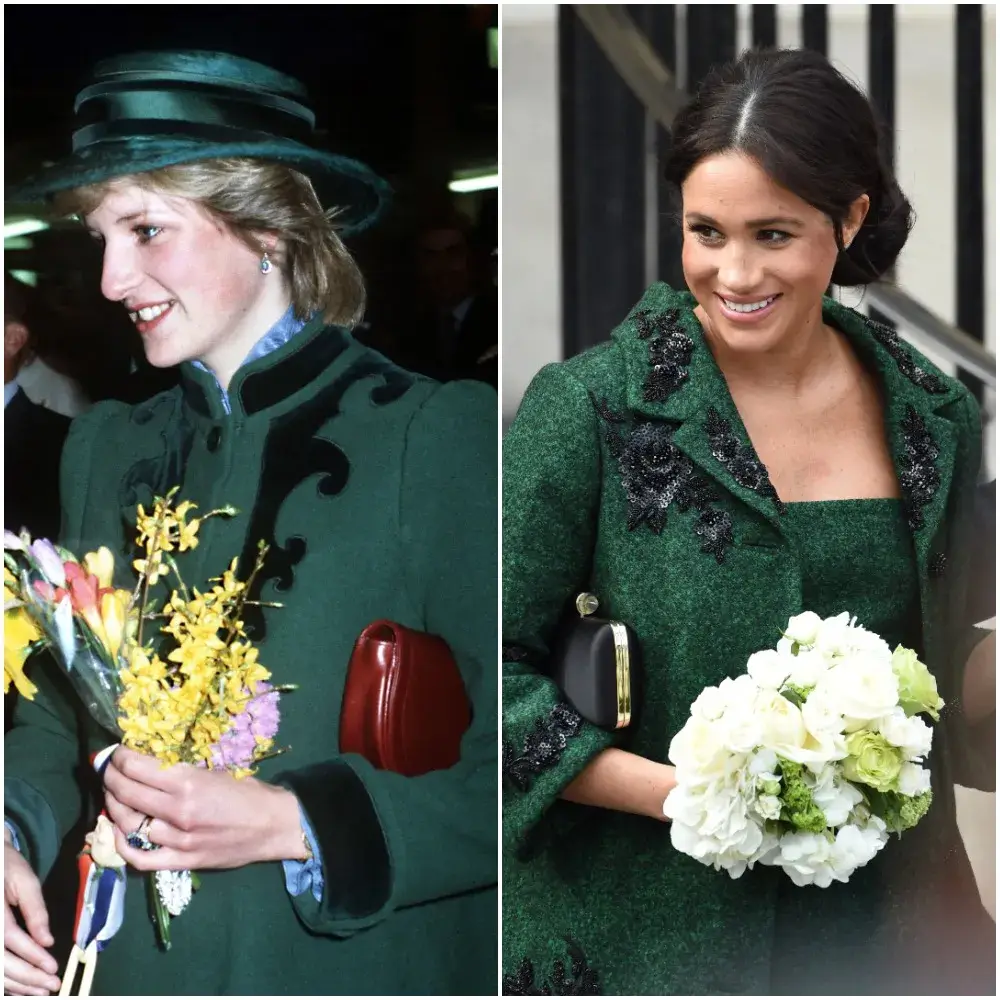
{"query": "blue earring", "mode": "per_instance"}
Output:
(265, 264)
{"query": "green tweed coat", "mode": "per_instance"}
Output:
(629, 473)
(377, 491)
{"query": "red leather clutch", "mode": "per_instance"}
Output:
(405, 708)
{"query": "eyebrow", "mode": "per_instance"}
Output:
(125, 218)
(774, 220)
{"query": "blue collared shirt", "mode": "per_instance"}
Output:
(279, 335)
(9, 392)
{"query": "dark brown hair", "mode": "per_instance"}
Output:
(814, 133)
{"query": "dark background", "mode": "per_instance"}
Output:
(409, 90)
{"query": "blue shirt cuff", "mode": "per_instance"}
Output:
(301, 876)
(13, 836)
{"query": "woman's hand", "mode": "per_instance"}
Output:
(199, 818)
(617, 779)
(28, 969)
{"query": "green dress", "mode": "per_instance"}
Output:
(628, 472)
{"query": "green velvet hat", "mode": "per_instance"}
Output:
(149, 110)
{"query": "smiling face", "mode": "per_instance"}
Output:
(756, 257)
(193, 289)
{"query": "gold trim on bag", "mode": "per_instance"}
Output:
(622, 674)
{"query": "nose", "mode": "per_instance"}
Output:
(740, 270)
(119, 273)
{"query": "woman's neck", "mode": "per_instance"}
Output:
(792, 367)
(229, 356)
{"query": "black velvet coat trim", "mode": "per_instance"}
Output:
(294, 451)
(357, 875)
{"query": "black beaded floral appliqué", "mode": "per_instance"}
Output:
(514, 653)
(580, 980)
(656, 474)
(891, 341)
(543, 746)
(739, 460)
(670, 350)
(919, 478)
(938, 565)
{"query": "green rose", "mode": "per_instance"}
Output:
(872, 761)
(917, 688)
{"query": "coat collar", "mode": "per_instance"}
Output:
(672, 375)
(272, 380)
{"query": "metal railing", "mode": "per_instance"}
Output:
(644, 72)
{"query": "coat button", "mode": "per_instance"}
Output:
(214, 438)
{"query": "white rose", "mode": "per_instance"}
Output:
(833, 636)
(911, 734)
(101, 841)
(914, 780)
(861, 688)
(710, 704)
(738, 692)
(825, 726)
(807, 668)
(803, 628)
(699, 750)
(780, 722)
(769, 669)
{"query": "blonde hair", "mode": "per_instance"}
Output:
(251, 197)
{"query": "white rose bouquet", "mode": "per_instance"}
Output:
(810, 759)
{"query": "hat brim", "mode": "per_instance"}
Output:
(340, 182)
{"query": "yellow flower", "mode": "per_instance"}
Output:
(19, 631)
(102, 565)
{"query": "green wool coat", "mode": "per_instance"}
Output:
(629, 473)
(377, 491)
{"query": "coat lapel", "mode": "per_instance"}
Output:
(672, 376)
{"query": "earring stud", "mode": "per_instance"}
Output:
(265, 264)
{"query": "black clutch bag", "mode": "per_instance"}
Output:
(596, 663)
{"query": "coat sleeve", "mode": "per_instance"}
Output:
(389, 841)
(47, 783)
(551, 499)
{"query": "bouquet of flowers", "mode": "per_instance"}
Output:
(191, 692)
(810, 759)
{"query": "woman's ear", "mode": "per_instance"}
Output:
(856, 216)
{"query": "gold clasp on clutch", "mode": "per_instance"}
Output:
(586, 604)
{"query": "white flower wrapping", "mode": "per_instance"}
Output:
(810, 759)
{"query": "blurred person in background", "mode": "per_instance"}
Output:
(34, 433)
(456, 324)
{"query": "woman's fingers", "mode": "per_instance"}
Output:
(27, 966)
(120, 814)
(143, 799)
(24, 979)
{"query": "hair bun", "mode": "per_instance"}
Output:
(875, 248)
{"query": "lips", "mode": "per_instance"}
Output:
(748, 310)
(146, 318)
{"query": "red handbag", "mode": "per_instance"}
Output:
(405, 708)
